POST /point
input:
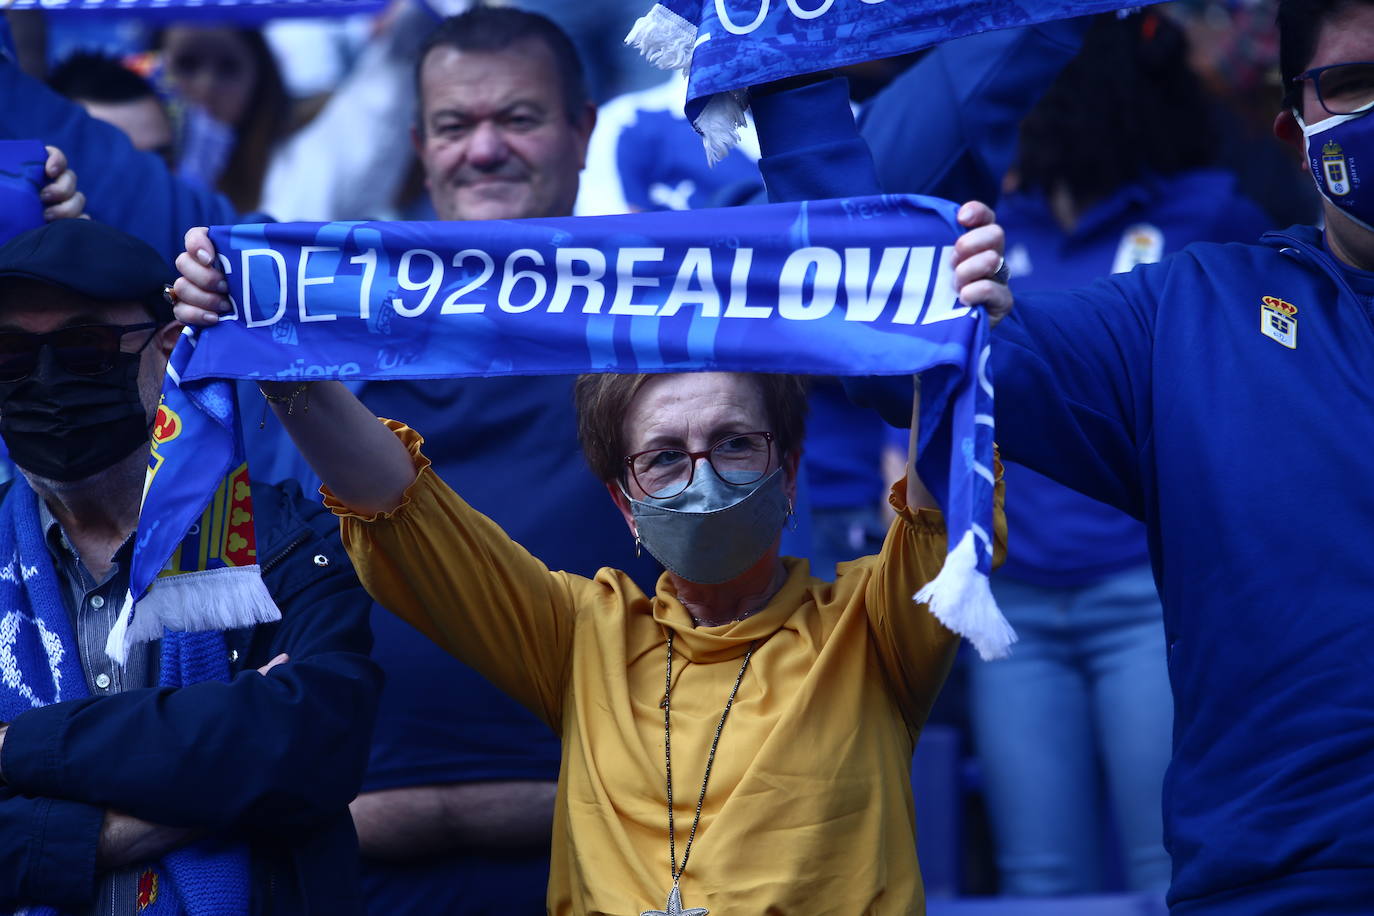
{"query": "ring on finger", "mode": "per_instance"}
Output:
(169, 293)
(1002, 274)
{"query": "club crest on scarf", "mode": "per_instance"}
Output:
(195, 557)
(147, 889)
(225, 530)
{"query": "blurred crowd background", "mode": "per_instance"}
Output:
(1038, 776)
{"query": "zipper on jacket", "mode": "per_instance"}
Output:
(282, 554)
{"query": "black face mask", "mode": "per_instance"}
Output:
(68, 427)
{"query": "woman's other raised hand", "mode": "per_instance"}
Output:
(201, 289)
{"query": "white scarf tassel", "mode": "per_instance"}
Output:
(961, 599)
(664, 38)
(227, 598)
(667, 41)
(720, 122)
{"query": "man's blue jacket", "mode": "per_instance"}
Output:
(1172, 393)
(272, 761)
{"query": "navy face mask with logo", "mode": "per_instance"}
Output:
(1337, 149)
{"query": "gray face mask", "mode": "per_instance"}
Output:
(713, 531)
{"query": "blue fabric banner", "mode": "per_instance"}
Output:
(726, 46)
(21, 178)
(848, 287)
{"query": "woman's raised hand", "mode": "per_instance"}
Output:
(358, 458)
(978, 263)
(200, 290)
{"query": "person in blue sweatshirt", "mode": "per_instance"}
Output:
(1220, 396)
(1103, 184)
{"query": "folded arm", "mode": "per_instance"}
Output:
(258, 753)
(51, 851)
(418, 821)
(47, 851)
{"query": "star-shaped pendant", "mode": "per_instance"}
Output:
(674, 907)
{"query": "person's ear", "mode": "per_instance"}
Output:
(165, 338)
(1287, 129)
(622, 502)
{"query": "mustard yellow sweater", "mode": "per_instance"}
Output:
(809, 807)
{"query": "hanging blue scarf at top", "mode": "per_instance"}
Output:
(726, 46)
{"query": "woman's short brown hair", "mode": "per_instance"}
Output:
(604, 398)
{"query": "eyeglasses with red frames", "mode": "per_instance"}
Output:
(1341, 88)
(86, 349)
(739, 459)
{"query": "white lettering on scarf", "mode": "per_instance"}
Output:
(795, 6)
(863, 283)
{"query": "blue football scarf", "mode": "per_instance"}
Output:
(726, 46)
(849, 287)
(40, 665)
(209, 580)
(21, 178)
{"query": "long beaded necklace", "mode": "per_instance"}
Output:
(674, 905)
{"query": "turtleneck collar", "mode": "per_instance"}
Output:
(704, 645)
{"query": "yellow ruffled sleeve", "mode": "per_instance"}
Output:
(452, 573)
(915, 649)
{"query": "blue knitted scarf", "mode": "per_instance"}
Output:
(40, 665)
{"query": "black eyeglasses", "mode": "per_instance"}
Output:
(1341, 88)
(86, 349)
(738, 459)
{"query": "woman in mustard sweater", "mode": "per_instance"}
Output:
(737, 742)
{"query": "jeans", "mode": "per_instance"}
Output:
(1083, 702)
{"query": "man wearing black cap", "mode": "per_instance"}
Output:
(134, 790)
